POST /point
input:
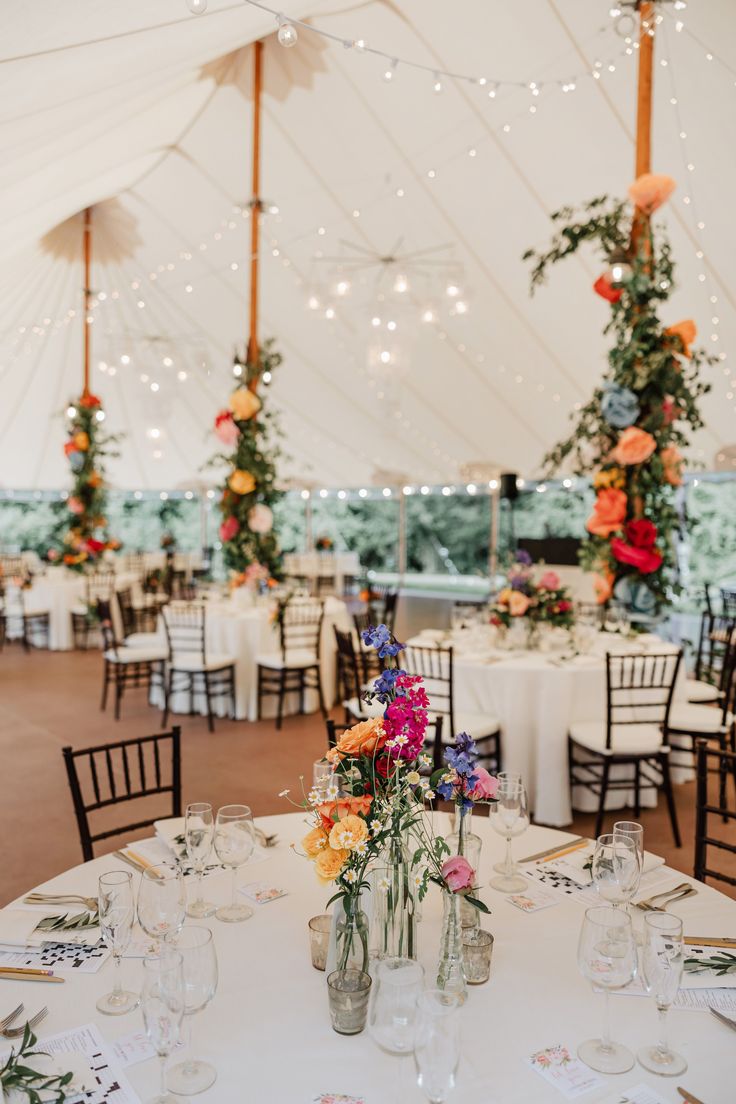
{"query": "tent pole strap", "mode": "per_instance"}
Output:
(255, 213)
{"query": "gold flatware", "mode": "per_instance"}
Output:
(708, 941)
(20, 973)
(60, 899)
(554, 852)
(688, 1096)
(684, 889)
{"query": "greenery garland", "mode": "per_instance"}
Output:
(18, 1075)
(86, 538)
(629, 435)
(249, 493)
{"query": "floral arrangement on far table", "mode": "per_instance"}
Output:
(540, 600)
(86, 538)
(324, 544)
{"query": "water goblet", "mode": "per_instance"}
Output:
(397, 983)
(162, 1003)
(509, 817)
(199, 833)
(662, 965)
(503, 777)
(616, 868)
(437, 1044)
(162, 901)
(234, 845)
(116, 906)
(199, 969)
(607, 957)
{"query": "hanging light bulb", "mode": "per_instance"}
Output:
(313, 302)
(71, 412)
(401, 284)
(197, 7)
(388, 74)
(428, 315)
(461, 307)
(452, 291)
(342, 287)
(100, 416)
(437, 83)
(286, 34)
(619, 269)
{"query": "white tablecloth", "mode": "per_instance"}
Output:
(536, 698)
(244, 632)
(268, 1033)
(331, 565)
(59, 591)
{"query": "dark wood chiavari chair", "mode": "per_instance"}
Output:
(126, 667)
(714, 763)
(296, 667)
(22, 619)
(99, 586)
(192, 669)
(350, 683)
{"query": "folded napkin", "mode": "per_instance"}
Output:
(18, 929)
(573, 865)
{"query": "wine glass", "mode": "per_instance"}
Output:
(162, 1002)
(616, 868)
(607, 957)
(116, 906)
(199, 967)
(162, 901)
(234, 844)
(507, 776)
(199, 832)
(510, 817)
(393, 1003)
(662, 964)
(437, 1043)
(632, 830)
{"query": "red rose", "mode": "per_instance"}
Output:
(606, 290)
(382, 765)
(90, 401)
(641, 532)
(643, 559)
(564, 606)
(95, 545)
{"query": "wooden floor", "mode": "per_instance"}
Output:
(50, 699)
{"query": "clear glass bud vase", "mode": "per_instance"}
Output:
(348, 949)
(395, 919)
(450, 976)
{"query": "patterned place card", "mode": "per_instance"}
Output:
(561, 1068)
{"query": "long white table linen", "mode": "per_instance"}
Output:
(60, 591)
(268, 1032)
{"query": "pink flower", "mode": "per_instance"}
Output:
(229, 529)
(458, 873)
(518, 603)
(76, 506)
(260, 518)
(226, 430)
(486, 786)
(550, 581)
(650, 190)
(405, 720)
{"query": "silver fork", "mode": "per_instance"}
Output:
(60, 898)
(17, 1032)
(9, 1019)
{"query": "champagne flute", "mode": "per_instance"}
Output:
(510, 817)
(393, 1003)
(199, 968)
(607, 957)
(616, 868)
(199, 832)
(437, 1044)
(116, 906)
(162, 901)
(662, 965)
(503, 777)
(162, 1002)
(234, 844)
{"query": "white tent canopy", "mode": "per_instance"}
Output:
(146, 104)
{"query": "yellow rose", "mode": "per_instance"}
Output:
(329, 863)
(244, 404)
(81, 441)
(314, 842)
(241, 482)
(609, 477)
(364, 738)
(348, 833)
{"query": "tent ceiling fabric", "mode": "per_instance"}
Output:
(142, 103)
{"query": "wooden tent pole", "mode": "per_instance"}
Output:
(87, 252)
(644, 93)
(255, 213)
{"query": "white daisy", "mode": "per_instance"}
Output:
(314, 797)
(419, 879)
(375, 827)
(350, 876)
(360, 848)
(430, 795)
(413, 778)
(332, 792)
(401, 739)
(425, 760)
(383, 885)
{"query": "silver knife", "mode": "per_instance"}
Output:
(724, 1019)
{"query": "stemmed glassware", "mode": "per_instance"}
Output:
(616, 868)
(234, 844)
(162, 901)
(393, 1003)
(437, 1044)
(509, 817)
(504, 777)
(116, 906)
(662, 964)
(199, 833)
(607, 957)
(199, 967)
(162, 1002)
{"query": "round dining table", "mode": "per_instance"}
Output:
(268, 1032)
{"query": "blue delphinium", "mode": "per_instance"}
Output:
(522, 556)
(380, 638)
(462, 758)
(384, 688)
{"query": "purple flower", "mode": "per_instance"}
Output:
(518, 582)
(385, 685)
(382, 640)
(523, 557)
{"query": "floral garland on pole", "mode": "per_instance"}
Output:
(250, 546)
(86, 538)
(630, 434)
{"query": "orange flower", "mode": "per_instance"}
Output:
(603, 587)
(349, 832)
(504, 596)
(365, 738)
(95, 479)
(609, 477)
(241, 482)
(81, 441)
(686, 331)
(672, 463)
(314, 842)
(244, 404)
(650, 190)
(518, 603)
(634, 446)
(609, 513)
(332, 811)
(329, 863)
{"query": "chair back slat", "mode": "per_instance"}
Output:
(87, 767)
(639, 690)
(348, 671)
(99, 585)
(185, 629)
(436, 668)
(720, 766)
(301, 626)
(728, 600)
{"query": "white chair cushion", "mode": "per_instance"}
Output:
(80, 611)
(297, 658)
(700, 692)
(361, 709)
(476, 725)
(697, 718)
(192, 661)
(635, 739)
(145, 640)
(135, 655)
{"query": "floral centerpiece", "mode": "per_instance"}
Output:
(86, 538)
(324, 544)
(630, 435)
(539, 601)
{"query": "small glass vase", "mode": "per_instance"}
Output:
(348, 949)
(394, 922)
(468, 845)
(450, 976)
(532, 634)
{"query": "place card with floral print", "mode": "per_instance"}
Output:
(262, 892)
(533, 898)
(337, 1098)
(558, 1065)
